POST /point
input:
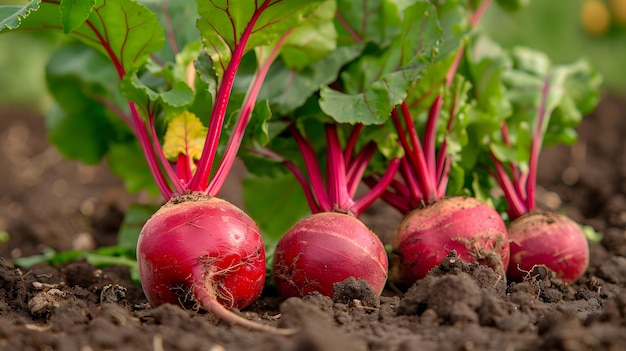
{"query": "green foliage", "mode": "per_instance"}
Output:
(277, 202)
(79, 125)
(380, 79)
(129, 65)
(101, 257)
(221, 25)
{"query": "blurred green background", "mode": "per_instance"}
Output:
(565, 29)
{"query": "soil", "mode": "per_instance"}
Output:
(49, 202)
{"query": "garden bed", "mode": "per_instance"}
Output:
(460, 306)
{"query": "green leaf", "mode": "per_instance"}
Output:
(275, 203)
(126, 160)
(102, 257)
(12, 17)
(28, 261)
(288, 89)
(381, 80)
(222, 24)
(178, 20)
(88, 139)
(258, 125)
(371, 107)
(313, 40)
(174, 100)
(512, 5)
(124, 30)
(134, 219)
(74, 13)
(78, 124)
(376, 21)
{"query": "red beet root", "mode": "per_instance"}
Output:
(426, 235)
(550, 239)
(326, 248)
(204, 242)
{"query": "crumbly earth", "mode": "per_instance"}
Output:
(46, 201)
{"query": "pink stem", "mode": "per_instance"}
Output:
(358, 166)
(479, 12)
(422, 170)
(139, 126)
(336, 171)
(411, 180)
(535, 147)
(409, 155)
(148, 151)
(412, 162)
(376, 192)
(516, 206)
(396, 199)
(304, 184)
(445, 177)
(199, 182)
(443, 159)
(519, 179)
(315, 175)
(183, 167)
(243, 119)
(430, 139)
(174, 178)
(354, 136)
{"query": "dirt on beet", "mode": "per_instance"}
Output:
(49, 202)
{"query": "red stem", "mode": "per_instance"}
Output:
(336, 171)
(535, 147)
(354, 136)
(357, 167)
(408, 174)
(199, 182)
(516, 205)
(430, 140)
(519, 179)
(377, 191)
(183, 167)
(445, 177)
(243, 119)
(304, 184)
(421, 167)
(173, 176)
(150, 155)
(139, 126)
(315, 175)
(396, 200)
(479, 12)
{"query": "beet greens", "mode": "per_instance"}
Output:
(547, 102)
(197, 250)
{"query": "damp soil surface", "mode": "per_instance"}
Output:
(49, 202)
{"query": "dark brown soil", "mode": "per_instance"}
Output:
(46, 201)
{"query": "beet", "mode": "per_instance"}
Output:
(550, 239)
(472, 228)
(201, 241)
(327, 248)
